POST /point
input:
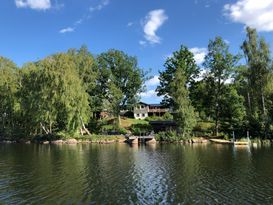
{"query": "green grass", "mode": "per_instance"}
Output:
(97, 138)
(128, 122)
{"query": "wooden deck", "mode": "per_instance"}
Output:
(141, 139)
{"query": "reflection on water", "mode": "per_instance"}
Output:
(120, 174)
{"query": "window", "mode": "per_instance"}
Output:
(143, 115)
(137, 115)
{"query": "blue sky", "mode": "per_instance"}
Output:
(150, 30)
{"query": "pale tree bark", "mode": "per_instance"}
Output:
(44, 128)
(83, 127)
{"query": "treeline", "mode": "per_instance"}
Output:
(63, 92)
(236, 96)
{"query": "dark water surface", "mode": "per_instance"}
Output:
(120, 174)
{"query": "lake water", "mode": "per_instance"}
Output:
(120, 174)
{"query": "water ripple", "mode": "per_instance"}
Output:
(119, 174)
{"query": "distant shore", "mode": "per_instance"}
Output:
(122, 140)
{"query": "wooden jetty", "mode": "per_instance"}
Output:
(141, 139)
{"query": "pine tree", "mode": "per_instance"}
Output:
(184, 114)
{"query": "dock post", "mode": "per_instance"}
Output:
(135, 141)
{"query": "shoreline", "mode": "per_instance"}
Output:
(253, 143)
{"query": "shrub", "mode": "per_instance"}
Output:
(141, 129)
(153, 118)
(170, 136)
(167, 116)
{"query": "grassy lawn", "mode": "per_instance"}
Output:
(127, 122)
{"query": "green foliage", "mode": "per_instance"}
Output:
(180, 73)
(52, 96)
(258, 80)
(112, 128)
(56, 97)
(184, 112)
(153, 118)
(204, 126)
(180, 59)
(220, 63)
(120, 81)
(141, 129)
(200, 95)
(9, 105)
(170, 136)
(167, 116)
(87, 68)
(232, 107)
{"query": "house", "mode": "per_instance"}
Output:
(143, 110)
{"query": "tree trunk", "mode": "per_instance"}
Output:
(217, 107)
(50, 127)
(83, 126)
(216, 126)
(263, 104)
(43, 127)
(249, 102)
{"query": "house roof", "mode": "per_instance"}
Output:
(142, 103)
(156, 105)
(153, 104)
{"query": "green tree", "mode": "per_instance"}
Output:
(9, 106)
(200, 95)
(53, 96)
(121, 80)
(88, 72)
(183, 110)
(220, 63)
(259, 69)
(180, 59)
(232, 107)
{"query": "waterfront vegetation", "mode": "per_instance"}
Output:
(62, 95)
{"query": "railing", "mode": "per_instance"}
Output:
(159, 110)
(142, 110)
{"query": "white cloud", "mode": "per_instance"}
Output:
(67, 30)
(253, 13)
(79, 21)
(130, 24)
(199, 54)
(33, 4)
(227, 41)
(142, 43)
(153, 81)
(202, 75)
(153, 21)
(149, 94)
(100, 6)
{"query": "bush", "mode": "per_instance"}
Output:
(170, 136)
(153, 118)
(141, 129)
(167, 116)
(111, 129)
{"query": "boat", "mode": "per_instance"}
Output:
(236, 143)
